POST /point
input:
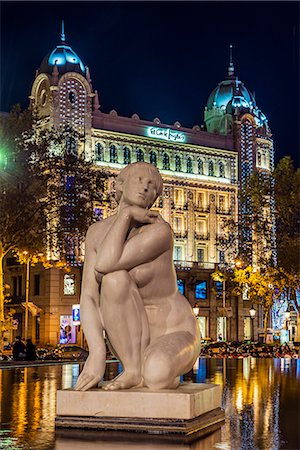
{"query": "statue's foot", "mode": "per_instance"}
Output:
(125, 380)
(92, 372)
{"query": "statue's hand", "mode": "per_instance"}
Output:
(92, 372)
(140, 215)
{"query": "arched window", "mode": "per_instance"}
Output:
(259, 159)
(113, 156)
(99, 152)
(127, 155)
(153, 158)
(140, 155)
(211, 171)
(200, 166)
(177, 163)
(221, 169)
(166, 161)
(189, 165)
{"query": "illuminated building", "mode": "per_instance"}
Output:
(200, 170)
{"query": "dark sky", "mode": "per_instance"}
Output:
(162, 59)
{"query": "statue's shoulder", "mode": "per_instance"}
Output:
(99, 227)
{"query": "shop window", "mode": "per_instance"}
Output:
(127, 155)
(181, 286)
(189, 165)
(153, 158)
(177, 163)
(99, 152)
(37, 281)
(69, 284)
(140, 155)
(201, 290)
(247, 328)
(202, 323)
(166, 161)
(113, 156)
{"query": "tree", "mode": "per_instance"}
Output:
(47, 190)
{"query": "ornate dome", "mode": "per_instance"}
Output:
(64, 57)
(230, 92)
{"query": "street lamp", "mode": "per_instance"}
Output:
(252, 313)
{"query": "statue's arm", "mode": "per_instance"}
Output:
(89, 300)
(142, 248)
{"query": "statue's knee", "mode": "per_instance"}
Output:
(115, 281)
(158, 370)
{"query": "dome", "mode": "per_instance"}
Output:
(64, 57)
(230, 93)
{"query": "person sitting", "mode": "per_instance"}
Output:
(150, 326)
(30, 351)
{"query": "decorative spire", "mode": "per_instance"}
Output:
(96, 101)
(62, 34)
(230, 67)
(87, 74)
(55, 74)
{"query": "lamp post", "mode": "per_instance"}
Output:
(26, 292)
(224, 308)
(252, 313)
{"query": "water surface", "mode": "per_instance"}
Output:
(261, 398)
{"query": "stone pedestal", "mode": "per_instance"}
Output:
(189, 409)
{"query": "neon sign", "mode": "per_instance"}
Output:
(165, 133)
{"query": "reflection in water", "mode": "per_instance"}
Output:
(260, 397)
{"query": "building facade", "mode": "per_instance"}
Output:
(202, 173)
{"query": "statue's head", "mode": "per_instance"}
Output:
(139, 183)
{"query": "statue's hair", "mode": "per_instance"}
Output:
(155, 175)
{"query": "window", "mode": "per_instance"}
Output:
(259, 159)
(72, 97)
(221, 202)
(200, 254)
(71, 146)
(211, 171)
(181, 286)
(140, 155)
(19, 292)
(127, 155)
(98, 213)
(166, 161)
(202, 323)
(189, 165)
(221, 257)
(200, 166)
(201, 290)
(15, 286)
(113, 156)
(177, 253)
(178, 196)
(247, 328)
(153, 158)
(177, 163)
(219, 289)
(221, 169)
(99, 152)
(69, 284)
(37, 280)
(178, 224)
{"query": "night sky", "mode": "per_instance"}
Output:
(163, 59)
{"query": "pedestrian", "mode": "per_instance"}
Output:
(19, 351)
(30, 351)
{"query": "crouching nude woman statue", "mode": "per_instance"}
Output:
(129, 289)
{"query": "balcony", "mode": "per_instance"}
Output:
(202, 236)
(180, 234)
(225, 211)
(188, 265)
(203, 209)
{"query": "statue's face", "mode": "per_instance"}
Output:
(139, 188)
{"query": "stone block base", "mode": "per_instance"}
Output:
(189, 409)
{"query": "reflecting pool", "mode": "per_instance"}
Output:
(261, 398)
